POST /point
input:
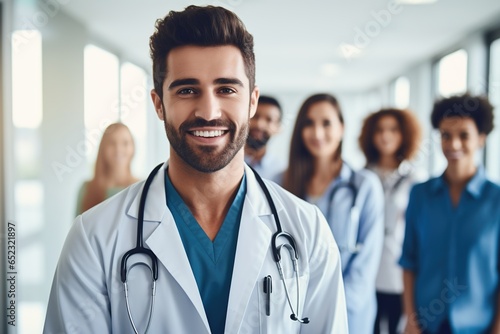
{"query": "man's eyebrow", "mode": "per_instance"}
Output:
(183, 82)
(228, 81)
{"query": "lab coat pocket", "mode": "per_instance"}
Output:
(274, 307)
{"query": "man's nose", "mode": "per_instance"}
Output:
(208, 107)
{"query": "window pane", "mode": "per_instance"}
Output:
(101, 80)
(27, 78)
(133, 111)
(493, 154)
(452, 74)
(402, 92)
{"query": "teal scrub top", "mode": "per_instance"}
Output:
(211, 262)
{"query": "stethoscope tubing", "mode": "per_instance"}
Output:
(290, 245)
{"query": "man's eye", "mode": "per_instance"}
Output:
(186, 91)
(226, 90)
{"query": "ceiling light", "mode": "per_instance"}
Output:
(329, 69)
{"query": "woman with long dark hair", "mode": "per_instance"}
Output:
(352, 201)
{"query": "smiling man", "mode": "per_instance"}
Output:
(204, 245)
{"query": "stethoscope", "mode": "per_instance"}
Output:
(391, 190)
(289, 244)
(351, 235)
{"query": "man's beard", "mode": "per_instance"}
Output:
(206, 159)
(257, 144)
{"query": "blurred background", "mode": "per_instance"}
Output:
(69, 68)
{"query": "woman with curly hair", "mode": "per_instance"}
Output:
(389, 139)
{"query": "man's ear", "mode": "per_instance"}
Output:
(157, 102)
(254, 100)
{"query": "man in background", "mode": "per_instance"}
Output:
(265, 124)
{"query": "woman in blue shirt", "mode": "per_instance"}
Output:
(451, 248)
(352, 202)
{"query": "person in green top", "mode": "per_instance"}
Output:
(112, 168)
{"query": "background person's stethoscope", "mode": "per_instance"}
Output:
(289, 245)
(351, 231)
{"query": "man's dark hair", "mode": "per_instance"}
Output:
(266, 99)
(199, 26)
(477, 108)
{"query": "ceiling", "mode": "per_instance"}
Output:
(302, 45)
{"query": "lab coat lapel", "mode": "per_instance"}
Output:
(166, 242)
(253, 245)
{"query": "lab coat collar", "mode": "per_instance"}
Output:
(257, 196)
(254, 241)
(156, 203)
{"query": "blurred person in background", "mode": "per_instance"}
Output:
(112, 168)
(352, 202)
(389, 139)
(451, 248)
(264, 125)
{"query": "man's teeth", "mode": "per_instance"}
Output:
(208, 134)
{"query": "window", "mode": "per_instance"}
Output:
(452, 74)
(27, 117)
(101, 102)
(492, 153)
(133, 111)
(401, 97)
(27, 79)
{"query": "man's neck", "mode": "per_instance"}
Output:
(208, 195)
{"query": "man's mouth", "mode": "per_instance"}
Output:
(208, 134)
